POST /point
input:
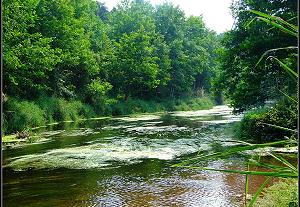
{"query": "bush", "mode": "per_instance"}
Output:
(252, 126)
(132, 106)
(58, 109)
(194, 104)
(51, 107)
(22, 115)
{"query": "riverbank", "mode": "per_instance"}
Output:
(269, 123)
(282, 193)
(26, 116)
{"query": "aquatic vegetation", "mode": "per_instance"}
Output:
(78, 132)
(98, 155)
(137, 138)
(155, 129)
(147, 117)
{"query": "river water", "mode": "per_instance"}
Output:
(126, 161)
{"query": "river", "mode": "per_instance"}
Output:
(126, 161)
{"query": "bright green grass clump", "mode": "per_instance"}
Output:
(282, 194)
(22, 115)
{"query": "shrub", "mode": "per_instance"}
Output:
(133, 106)
(194, 104)
(50, 105)
(253, 125)
(58, 109)
(86, 111)
(22, 115)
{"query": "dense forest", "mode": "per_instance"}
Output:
(245, 82)
(78, 52)
(71, 59)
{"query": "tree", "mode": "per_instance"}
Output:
(102, 11)
(246, 84)
(192, 48)
(141, 62)
(74, 26)
(28, 58)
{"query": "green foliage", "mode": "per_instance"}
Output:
(28, 58)
(63, 48)
(136, 66)
(132, 106)
(283, 193)
(192, 50)
(245, 82)
(96, 94)
(71, 24)
(82, 54)
(194, 104)
(256, 125)
(58, 109)
(22, 115)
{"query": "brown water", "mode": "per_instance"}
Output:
(127, 161)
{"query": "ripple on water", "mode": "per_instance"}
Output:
(173, 190)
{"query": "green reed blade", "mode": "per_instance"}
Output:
(257, 193)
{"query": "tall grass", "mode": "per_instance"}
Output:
(282, 193)
(57, 109)
(23, 115)
(134, 106)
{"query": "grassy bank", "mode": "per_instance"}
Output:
(20, 115)
(282, 193)
(269, 123)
